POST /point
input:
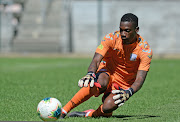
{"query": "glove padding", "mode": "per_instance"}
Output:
(89, 78)
(122, 96)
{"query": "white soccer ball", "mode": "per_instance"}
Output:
(49, 109)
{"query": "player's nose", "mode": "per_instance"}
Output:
(123, 34)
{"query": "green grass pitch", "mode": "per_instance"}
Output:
(26, 81)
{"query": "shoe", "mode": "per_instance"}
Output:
(76, 114)
(80, 114)
(63, 114)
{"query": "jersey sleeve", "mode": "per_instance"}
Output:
(145, 59)
(106, 43)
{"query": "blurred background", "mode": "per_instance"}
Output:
(77, 26)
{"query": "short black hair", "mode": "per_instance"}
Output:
(130, 18)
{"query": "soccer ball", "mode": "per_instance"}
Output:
(49, 109)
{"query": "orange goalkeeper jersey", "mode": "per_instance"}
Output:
(123, 61)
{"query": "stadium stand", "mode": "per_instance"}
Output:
(46, 26)
(39, 30)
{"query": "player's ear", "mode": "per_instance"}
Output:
(137, 29)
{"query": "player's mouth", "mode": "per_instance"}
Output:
(123, 38)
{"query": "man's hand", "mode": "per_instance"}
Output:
(122, 96)
(89, 78)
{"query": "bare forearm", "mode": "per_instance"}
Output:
(136, 86)
(93, 67)
(141, 76)
(95, 62)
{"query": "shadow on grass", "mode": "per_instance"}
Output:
(128, 117)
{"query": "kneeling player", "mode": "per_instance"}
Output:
(118, 69)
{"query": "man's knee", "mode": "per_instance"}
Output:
(109, 105)
(103, 80)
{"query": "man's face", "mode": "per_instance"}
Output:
(128, 32)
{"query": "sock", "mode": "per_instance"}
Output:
(99, 112)
(82, 95)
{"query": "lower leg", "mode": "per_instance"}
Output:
(105, 109)
(82, 95)
(99, 112)
(86, 92)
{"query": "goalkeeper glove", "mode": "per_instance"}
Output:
(122, 96)
(89, 78)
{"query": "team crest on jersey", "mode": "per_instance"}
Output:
(133, 57)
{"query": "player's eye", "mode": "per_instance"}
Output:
(127, 30)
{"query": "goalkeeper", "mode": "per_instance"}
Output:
(118, 70)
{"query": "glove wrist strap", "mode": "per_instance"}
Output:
(92, 74)
(131, 91)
